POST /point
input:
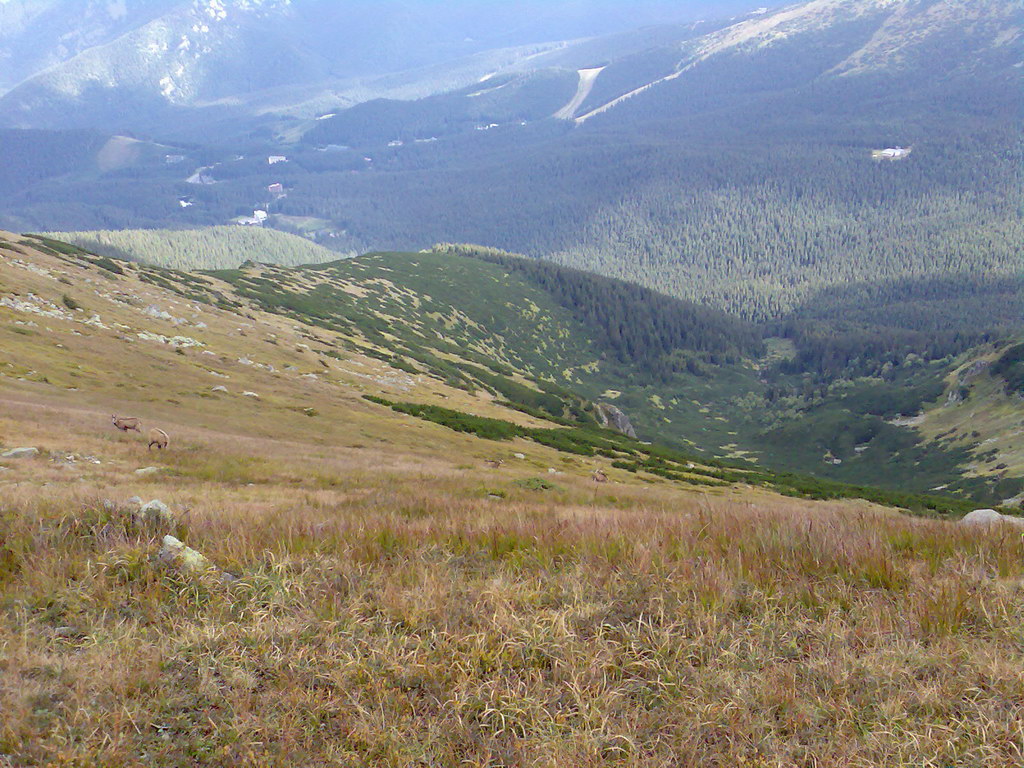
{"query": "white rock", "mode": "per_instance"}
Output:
(251, 394)
(220, 388)
(990, 517)
(519, 455)
(20, 453)
(147, 471)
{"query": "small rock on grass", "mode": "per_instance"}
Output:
(174, 552)
(156, 511)
(147, 471)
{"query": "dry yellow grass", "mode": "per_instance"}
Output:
(387, 611)
(394, 603)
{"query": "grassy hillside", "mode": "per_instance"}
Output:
(470, 348)
(373, 593)
(547, 343)
(688, 376)
(984, 407)
(210, 248)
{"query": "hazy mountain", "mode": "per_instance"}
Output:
(38, 34)
(135, 69)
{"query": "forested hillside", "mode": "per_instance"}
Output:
(212, 248)
(34, 156)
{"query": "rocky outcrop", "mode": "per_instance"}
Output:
(959, 393)
(613, 418)
(973, 371)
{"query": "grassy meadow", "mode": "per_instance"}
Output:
(398, 611)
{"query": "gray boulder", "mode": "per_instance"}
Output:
(20, 453)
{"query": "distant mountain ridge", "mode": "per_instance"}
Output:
(138, 65)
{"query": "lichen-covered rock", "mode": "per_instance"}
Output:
(20, 453)
(174, 552)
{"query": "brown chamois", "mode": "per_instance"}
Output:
(126, 423)
(599, 476)
(493, 463)
(158, 438)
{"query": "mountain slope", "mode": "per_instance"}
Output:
(752, 166)
(360, 587)
(36, 35)
(475, 344)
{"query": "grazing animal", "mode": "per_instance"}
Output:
(493, 463)
(158, 438)
(126, 423)
(599, 476)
